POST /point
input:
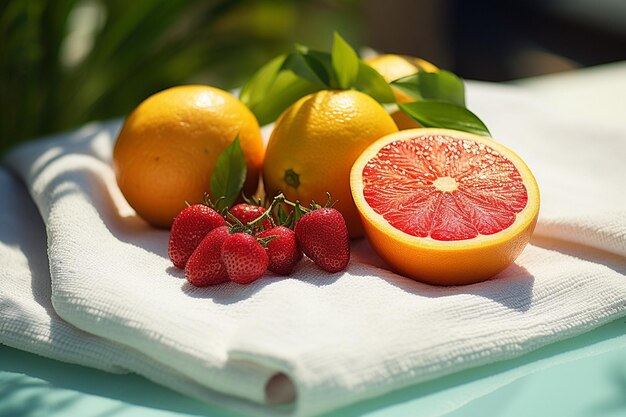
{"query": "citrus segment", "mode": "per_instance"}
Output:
(445, 207)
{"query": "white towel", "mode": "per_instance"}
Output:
(28, 320)
(331, 339)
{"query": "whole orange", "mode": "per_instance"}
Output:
(392, 67)
(314, 144)
(168, 146)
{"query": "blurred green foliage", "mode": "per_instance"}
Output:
(66, 62)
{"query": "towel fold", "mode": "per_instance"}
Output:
(312, 342)
(28, 320)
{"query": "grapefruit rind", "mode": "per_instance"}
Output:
(438, 262)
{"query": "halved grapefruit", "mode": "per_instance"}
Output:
(445, 207)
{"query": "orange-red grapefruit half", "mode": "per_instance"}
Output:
(445, 207)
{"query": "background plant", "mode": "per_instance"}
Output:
(67, 62)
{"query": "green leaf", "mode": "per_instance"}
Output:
(324, 59)
(229, 174)
(369, 81)
(301, 49)
(345, 62)
(441, 86)
(445, 115)
(287, 89)
(307, 68)
(281, 82)
(255, 90)
(409, 85)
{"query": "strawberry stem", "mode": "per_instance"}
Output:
(282, 199)
(265, 240)
(217, 206)
(252, 201)
(236, 226)
(293, 217)
(329, 201)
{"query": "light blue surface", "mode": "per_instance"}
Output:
(584, 376)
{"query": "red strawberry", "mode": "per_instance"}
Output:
(244, 258)
(189, 228)
(248, 212)
(205, 266)
(283, 251)
(323, 236)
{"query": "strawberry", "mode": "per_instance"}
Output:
(205, 266)
(283, 251)
(244, 258)
(189, 228)
(323, 236)
(248, 212)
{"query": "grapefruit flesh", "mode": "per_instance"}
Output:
(445, 207)
(445, 188)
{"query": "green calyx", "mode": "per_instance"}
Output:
(291, 178)
(275, 213)
(298, 209)
(251, 228)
